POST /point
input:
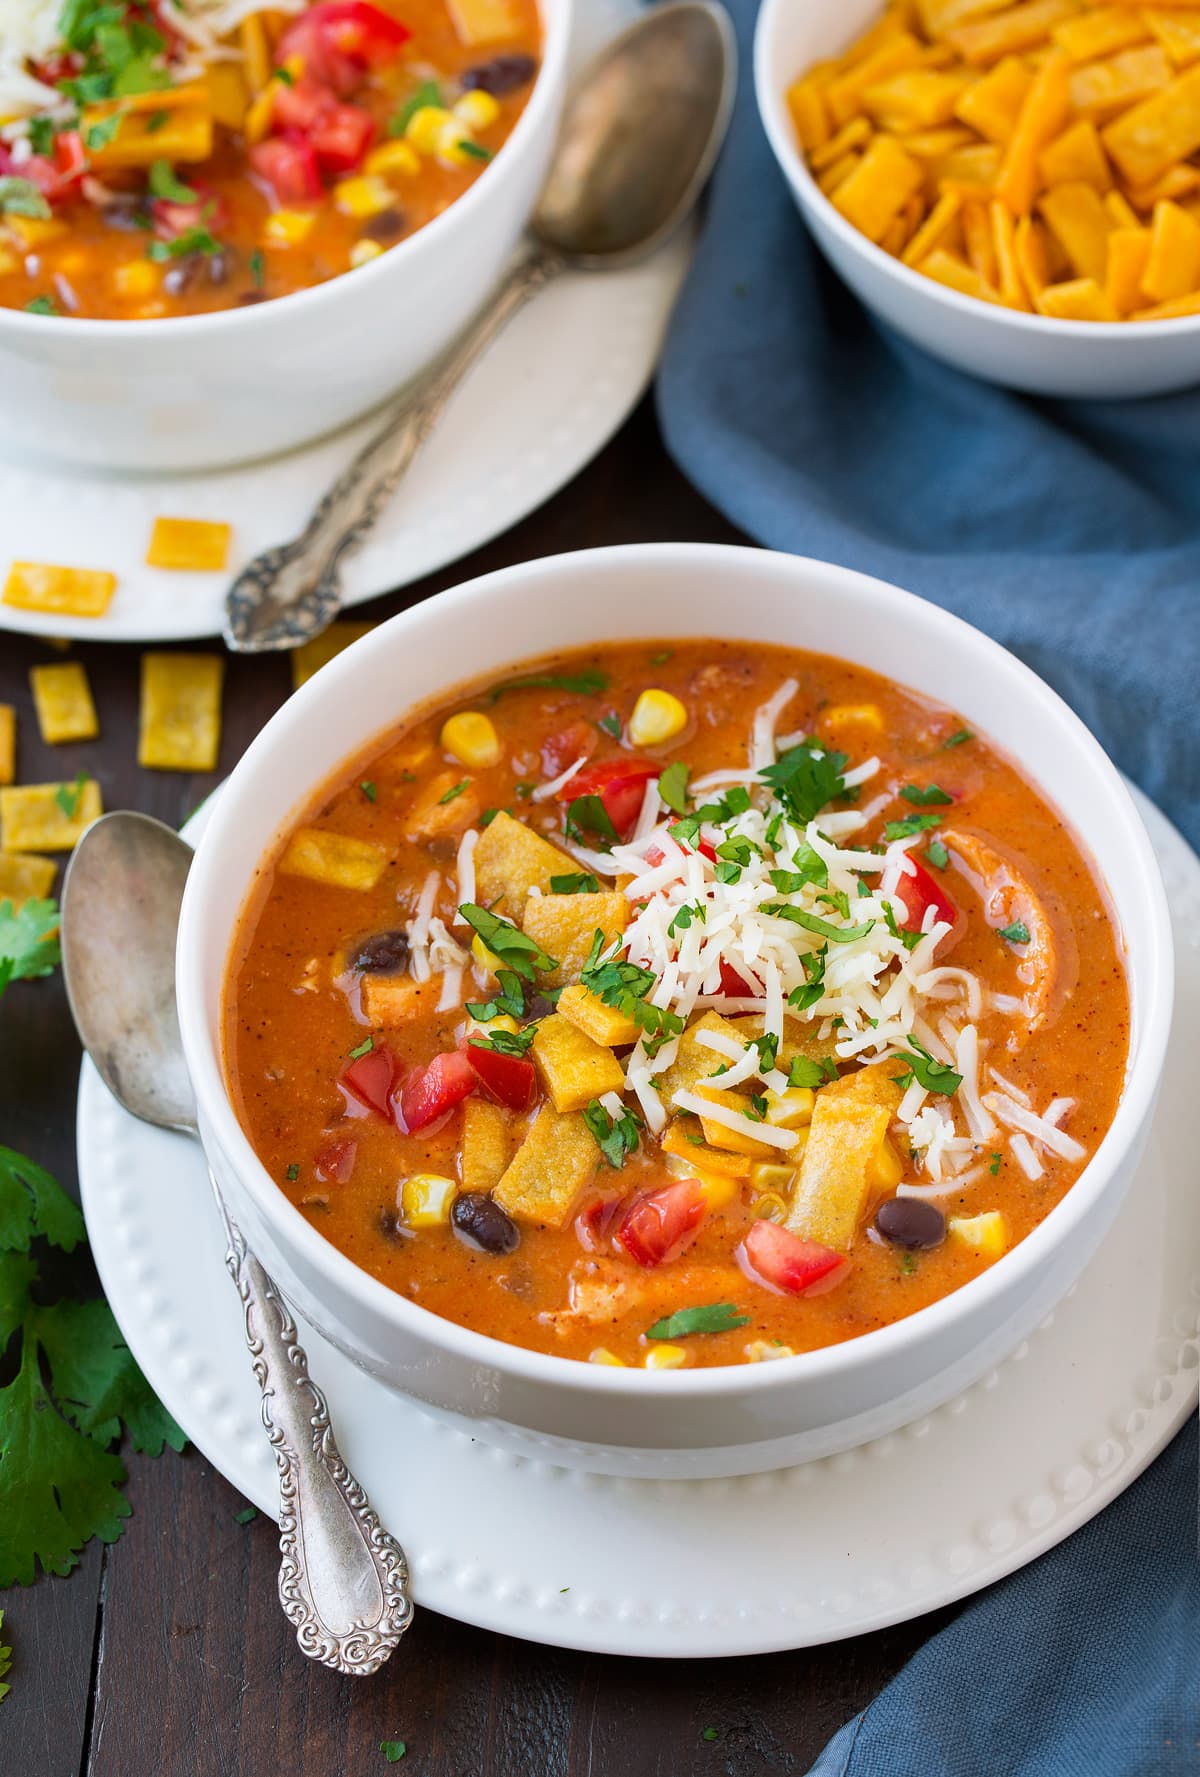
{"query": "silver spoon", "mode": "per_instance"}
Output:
(638, 140)
(343, 1580)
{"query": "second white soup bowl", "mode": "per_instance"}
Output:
(1029, 352)
(208, 391)
(705, 1421)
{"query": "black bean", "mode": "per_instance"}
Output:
(503, 74)
(483, 1224)
(130, 216)
(389, 225)
(911, 1222)
(537, 1006)
(182, 274)
(384, 954)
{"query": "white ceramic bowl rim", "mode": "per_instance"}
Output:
(770, 88)
(475, 599)
(256, 316)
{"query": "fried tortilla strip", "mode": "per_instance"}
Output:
(333, 858)
(61, 592)
(47, 817)
(180, 721)
(189, 545)
(62, 698)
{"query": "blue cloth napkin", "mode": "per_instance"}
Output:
(1070, 531)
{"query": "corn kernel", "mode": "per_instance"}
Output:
(986, 1233)
(456, 147)
(477, 109)
(666, 1357)
(486, 958)
(425, 1199)
(138, 277)
(788, 1110)
(884, 1170)
(763, 1351)
(771, 1175)
(392, 158)
(658, 716)
(424, 126)
(602, 1355)
(287, 228)
(8, 262)
(363, 197)
(471, 739)
(34, 231)
(362, 252)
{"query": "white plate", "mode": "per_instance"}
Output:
(693, 1568)
(547, 395)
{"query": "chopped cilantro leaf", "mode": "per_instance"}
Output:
(937, 854)
(617, 1137)
(1016, 933)
(768, 1050)
(691, 910)
(293, 1173)
(164, 183)
(473, 150)
(711, 1317)
(247, 1515)
(587, 814)
(363, 1048)
(21, 197)
(931, 796)
(28, 940)
(428, 93)
(995, 1163)
(625, 986)
(588, 683)
(611, 724)
(454, 790)
(802, 999)
(503, 939)
(912, 823)
(910, 940)
(67, 795)
(927, 1070)
(806, 1071)
(524, 790)
(258, 268)
(509, 1001)
(392, 1750)
(369, 790)
(806, 779)
(41, 305)
(758, 1108)
(807, 866)
(581, 883)
(956, 740)
(506, 1042)
(710, 1734)
(672, 786)
(192, 240)
(823, 928)
(662, 657)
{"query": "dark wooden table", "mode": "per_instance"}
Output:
(166, 1655)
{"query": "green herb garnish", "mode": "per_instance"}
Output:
(712, 1317)
(503, 939)
(454, 790)
(937, 854)
(41, 305)
(393, 1750)
(258, 268)
(587, 814)
(1016, 933)
(672, 786)
(163, 182)
(21, 197)
(428, 93)
(192, 240)
(610, 724)
(588, 683)
(927, 1070)
(506, 1042)
(995, 1163)
(912, 823)
(625, 986)
(822, 928)
(247, 1515)
(582, 883)
(616, 1137)
(806, 779)
(292, 1173)
(956, 740)
(68, 796)
(509, 1001)
(369, 790)
(363, 1048)
(810, 1072)
(929, 797)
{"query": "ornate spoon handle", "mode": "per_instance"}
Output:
(292, 592)
(342, 1578)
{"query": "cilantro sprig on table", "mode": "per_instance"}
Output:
(72, 1385)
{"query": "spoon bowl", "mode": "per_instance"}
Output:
(120, 913)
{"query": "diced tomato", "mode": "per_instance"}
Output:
(509, 1079)
(780, 1260)
(660, 1224)
(70, 156)
(735, 985)
(594, 1221)
(334, 1165)
(40, 172)
(578, 740)
(299, 107)
(371, 1079)
(429, 1092)
(289, 166)
(338, 41)
(620, 785)
(919, 892)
